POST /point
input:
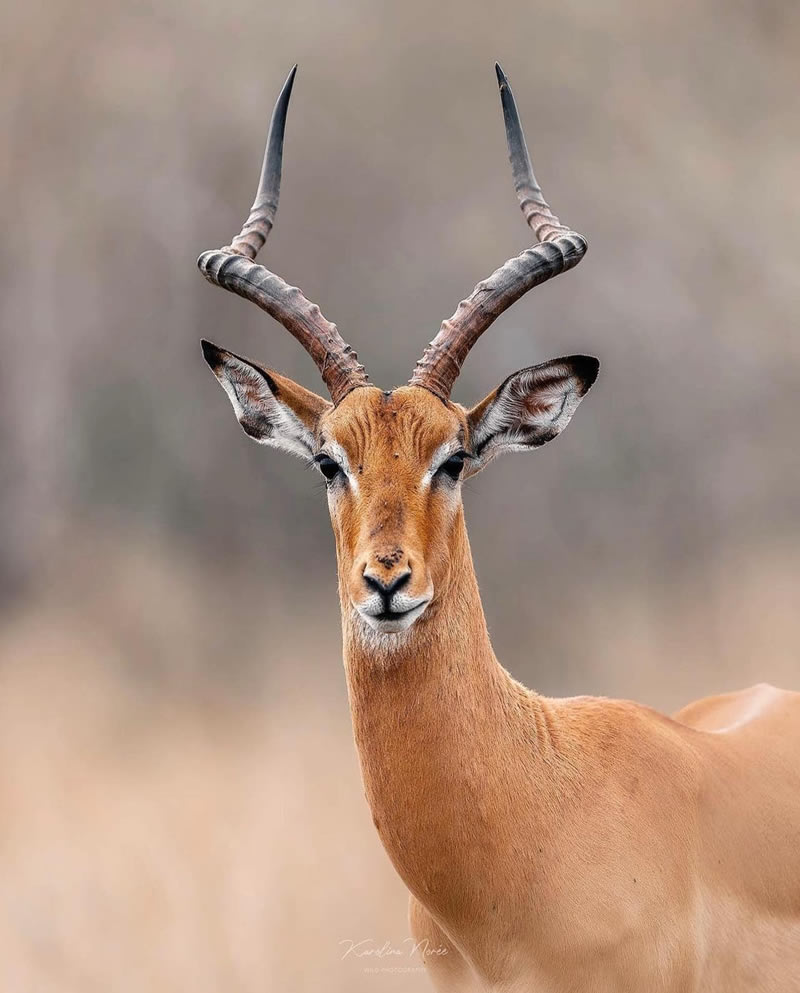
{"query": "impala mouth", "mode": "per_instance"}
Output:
(393, 621)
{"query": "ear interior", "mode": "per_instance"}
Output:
(529, 408)
(272, 409)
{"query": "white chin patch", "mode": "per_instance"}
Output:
(392, 625)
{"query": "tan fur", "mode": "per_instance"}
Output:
(553, 845)
(558, 846)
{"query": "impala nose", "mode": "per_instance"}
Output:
(386, 587)
(393, 601)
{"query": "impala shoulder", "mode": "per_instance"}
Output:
(630, 744)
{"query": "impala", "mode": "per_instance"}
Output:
(551, 845)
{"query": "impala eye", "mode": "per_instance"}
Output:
(327, 467)
(453, 466)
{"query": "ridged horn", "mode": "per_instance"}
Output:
(233, 268)
(558, 249)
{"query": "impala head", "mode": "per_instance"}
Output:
(394, 460)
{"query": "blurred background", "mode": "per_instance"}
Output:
(179, 794)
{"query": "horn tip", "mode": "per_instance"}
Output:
(502, 79)
(287, 86)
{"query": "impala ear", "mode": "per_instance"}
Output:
(529, 409)
(272, 409)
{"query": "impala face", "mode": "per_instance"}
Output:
(393, 464)
(394, 461)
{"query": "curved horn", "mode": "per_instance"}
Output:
(557, 249)
(233, 268)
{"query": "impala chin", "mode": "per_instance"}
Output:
(395, 621)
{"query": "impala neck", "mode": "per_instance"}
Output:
(437, 723)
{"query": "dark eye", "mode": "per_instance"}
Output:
(327, 467)
(453, 466)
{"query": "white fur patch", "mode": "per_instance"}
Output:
(379, 644)
(339, 455)
(440, 456)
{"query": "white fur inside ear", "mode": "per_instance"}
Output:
(264, 417)
(530, 409)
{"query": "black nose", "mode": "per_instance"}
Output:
(387, 589)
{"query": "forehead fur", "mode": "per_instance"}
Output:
(409, 419)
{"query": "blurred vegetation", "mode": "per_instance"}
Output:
(177, 774)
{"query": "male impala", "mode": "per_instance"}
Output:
(584, 844)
